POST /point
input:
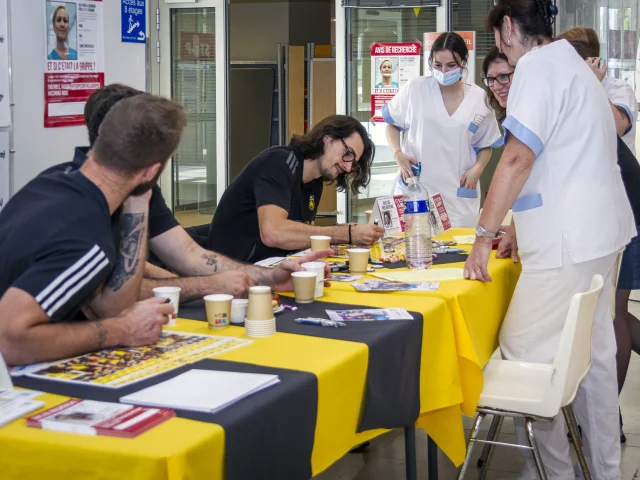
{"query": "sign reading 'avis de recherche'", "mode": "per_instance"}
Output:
(134, 21)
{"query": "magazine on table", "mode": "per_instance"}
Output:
(383, 286)
(88, 417)
(369, 315)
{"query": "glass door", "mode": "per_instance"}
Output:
(365, 26)
(192, 71)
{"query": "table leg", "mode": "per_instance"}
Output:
(432, 458)
(410, 452)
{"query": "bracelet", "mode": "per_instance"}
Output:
(349, 234)
(395, 154)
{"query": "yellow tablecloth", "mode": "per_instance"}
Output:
(183, 448)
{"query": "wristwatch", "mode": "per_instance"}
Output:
(483, 232)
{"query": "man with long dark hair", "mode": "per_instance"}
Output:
(270, 208)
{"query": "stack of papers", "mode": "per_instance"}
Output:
(369, 315)
(380, 286)
(202, 390)
(17, 403)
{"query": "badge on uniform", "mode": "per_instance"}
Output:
(312, 202)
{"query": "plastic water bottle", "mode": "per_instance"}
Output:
(417, 228)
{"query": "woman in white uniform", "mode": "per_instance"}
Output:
(559, 173)
(449, 130)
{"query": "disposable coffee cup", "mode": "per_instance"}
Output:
(238, 310)
(320, 242)
(259, 306)
(358, 260)
(218, 310)
(318, 269)
(368, 215)
(173, 294)
(304, 286)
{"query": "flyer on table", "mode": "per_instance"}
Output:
(392, 65)
(73, 58)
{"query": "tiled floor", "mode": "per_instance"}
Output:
(384, 459)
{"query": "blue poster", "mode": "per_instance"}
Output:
(134, 21)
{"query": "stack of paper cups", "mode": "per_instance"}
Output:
(260, 321)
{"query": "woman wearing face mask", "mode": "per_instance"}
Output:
(386, 71)
(449, 130)
(559, 172)
(60, 22)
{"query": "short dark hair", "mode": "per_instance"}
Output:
(139, 132)
(494, 55)
(454, 43)
(534, 17)
(99, 104)
(339, 126)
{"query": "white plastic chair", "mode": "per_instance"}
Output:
(537, 391)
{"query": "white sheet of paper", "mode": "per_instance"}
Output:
(464, 239)
(430, 275)
(202, 390)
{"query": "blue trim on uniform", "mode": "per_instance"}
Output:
(386, 116)
(467, 193)
(527, 202)
(497, 144)
(523, 134)
(473, 127)
(629, 114)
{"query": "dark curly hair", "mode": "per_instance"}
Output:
(494, 55)
(339, 127)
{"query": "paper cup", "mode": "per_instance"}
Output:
(304, 286)
(358, 260)
(173, 294)
(238, 310)
(368, 215)
(320, 242)
(260, 328)
(218, 310)
(318, 269)
(259, 306)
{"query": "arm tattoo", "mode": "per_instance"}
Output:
(132, 228)
(102, 334)
(211, 260)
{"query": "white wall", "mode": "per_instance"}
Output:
(38, 148)
(256, 29)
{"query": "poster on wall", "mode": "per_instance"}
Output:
(392, 65)
(74, 59)
(4, 168)
(5, 109)
(134, 21)
(468, 37)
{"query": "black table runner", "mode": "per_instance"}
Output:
(267, 435)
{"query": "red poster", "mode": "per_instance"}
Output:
(74, 63)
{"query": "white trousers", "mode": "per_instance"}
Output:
(531, 332)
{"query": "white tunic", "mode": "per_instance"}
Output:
(574, 196)
(445, 145)
(621, 95)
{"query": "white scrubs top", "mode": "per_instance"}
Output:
(574, 197)
(445, 145)
(621, 95)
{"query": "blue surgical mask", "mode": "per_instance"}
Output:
(448, 78)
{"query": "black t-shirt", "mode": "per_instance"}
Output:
(55, 243)
(630, 170)
(161, 218)
(272, 178)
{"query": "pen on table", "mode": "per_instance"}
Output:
(320, 322)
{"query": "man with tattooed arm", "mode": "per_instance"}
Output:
(57, 252)
(197, 271)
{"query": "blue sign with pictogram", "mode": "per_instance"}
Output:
(134, 21)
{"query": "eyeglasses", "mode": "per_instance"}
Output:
(502, 79)
(349, 154)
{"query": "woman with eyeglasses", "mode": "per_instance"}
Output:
(449, 130)
(558, 172)
(496, 76)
